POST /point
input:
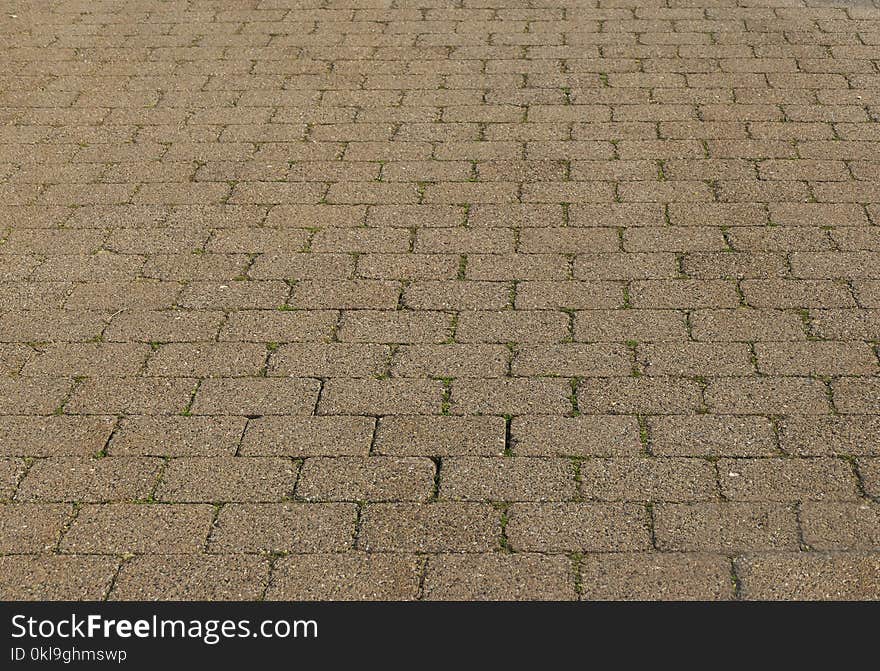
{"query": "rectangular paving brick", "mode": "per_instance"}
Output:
(711, 436)
(596, 435)
(191, 577)
(809, 576)
(725, 527)
(508, 479)
(656, 576)
(581, 527)
(440, 436)
(57, 435)
(256, 396)
(118, 528)
(366, 479)
(343, 577)
(438, 527)
(647, 479)
(283, 527)
(816, 479)
(307, 436)
(505, 577)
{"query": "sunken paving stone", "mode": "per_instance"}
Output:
(490, 302)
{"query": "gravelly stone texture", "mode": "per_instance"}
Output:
(440, 299)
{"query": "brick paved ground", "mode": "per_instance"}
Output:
(440, 299)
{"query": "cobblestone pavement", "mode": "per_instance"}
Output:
(431, 299)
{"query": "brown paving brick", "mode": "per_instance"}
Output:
(118, 528)
(348, 360)
(711, 435)
(816, 358)
(826, 436)
(31, 527)
(345, 294)
(36, 436)
(650, 395)
(506, 577)
(215, 479)
(349, 576)
(869, 474)
(176, 436)
(572, 359)
(206, 360)
(582, 527)
(440, 436)
(438, 527)
(394, 326)
(143, 395)
(604, 435)
(648, 479)
(656, 576)
(512, 396)
(89, 480)
(308, 436)
(56, 577)
(841, 526)
(256, 396)
(695, 359)
(370, 478)
(181, 577)
(809, 576)
(279, 326)
(360, 237)
(572, 295)
(747, 325)
(857, 395)
(787, 479)
(623, 325)
(725, 527)
(767, 395)
(284, 527)
(509, 479)
(456, 295)
(380, 397)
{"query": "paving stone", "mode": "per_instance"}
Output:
(711, 436)
(308, 436)
(597, 435)
(89, 480)
(725, 527)
(31, 527)
(809, 576)
(117, 528)
(360, 285)
(177, 436)
(366, 479)
(768, 395)
(284, 527)
(255, 396)
(786, 479)
(220, 479)
(577, 527)
(499, 577)
(36, 436)
(509, 479)
(841, 525)
(438, 527)
(647, 479)
(343, 577)
(656, 576)
(191, 577)
(57, 577)
(440, 436)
